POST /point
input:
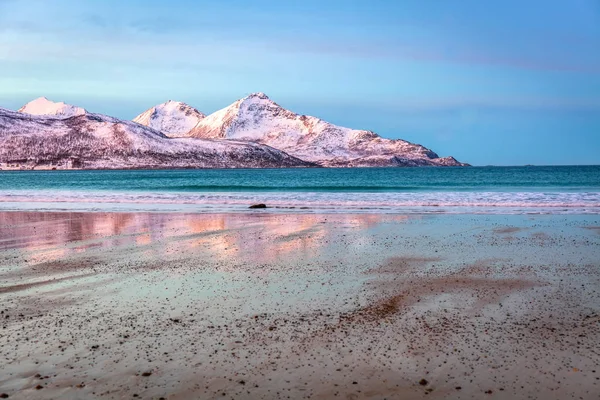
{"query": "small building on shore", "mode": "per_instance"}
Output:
(75, 163)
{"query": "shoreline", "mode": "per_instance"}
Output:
(416, 203)
(264, 305)
(511, 190)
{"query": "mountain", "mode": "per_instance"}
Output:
(256, 118)
(253, 132)
(95, 141)
(172, 118)
(43, 106)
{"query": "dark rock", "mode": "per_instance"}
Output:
(3, 396)
(147, 373)
(261, 205)
(423, 382)
(38, 387)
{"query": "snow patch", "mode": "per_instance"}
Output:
(43, 106)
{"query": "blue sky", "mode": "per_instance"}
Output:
(511, 82)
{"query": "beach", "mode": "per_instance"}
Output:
(299, 305)
(265, 200)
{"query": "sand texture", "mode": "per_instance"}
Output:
(274, 306)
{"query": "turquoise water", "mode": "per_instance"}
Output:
(564, 189)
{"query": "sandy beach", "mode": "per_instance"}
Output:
(293, 306)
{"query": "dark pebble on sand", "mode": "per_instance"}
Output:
(147, 373)
(423, 382)
(258, 206)
(3, 396)
(38, 387)
(458, 388)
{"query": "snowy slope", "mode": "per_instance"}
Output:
(258, 119)
(172, 118)
(98, 141)
(43, 106)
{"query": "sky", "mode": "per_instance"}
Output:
(504, 82)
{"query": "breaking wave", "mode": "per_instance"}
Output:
(329, 202)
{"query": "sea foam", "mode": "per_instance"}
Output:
(391, 202)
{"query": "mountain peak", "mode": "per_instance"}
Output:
(259, 119)
(175, 103)
(43, 106)
(258, 103)
(257, 95)
(101, 142)
(173, 118)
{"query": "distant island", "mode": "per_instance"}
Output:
(253, 132)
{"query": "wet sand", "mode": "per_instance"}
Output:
(265, 306)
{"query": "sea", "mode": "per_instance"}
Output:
(463, 190)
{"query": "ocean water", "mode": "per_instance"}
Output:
(497, 190)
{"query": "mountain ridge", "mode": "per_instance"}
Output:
(253, 126)
(259, 119)
(96, 141)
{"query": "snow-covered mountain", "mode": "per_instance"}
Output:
(172, 118)
(256, 118)
(98, 141)
(253, 132)
(43, 106)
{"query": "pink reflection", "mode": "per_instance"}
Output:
(52, 236)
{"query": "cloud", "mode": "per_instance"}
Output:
(64, 41)
(410, 52)
(108, 21)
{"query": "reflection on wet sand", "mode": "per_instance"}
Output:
(46, 237)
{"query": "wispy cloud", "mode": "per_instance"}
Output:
(408, 66)
(71, 21)
(463, 55)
